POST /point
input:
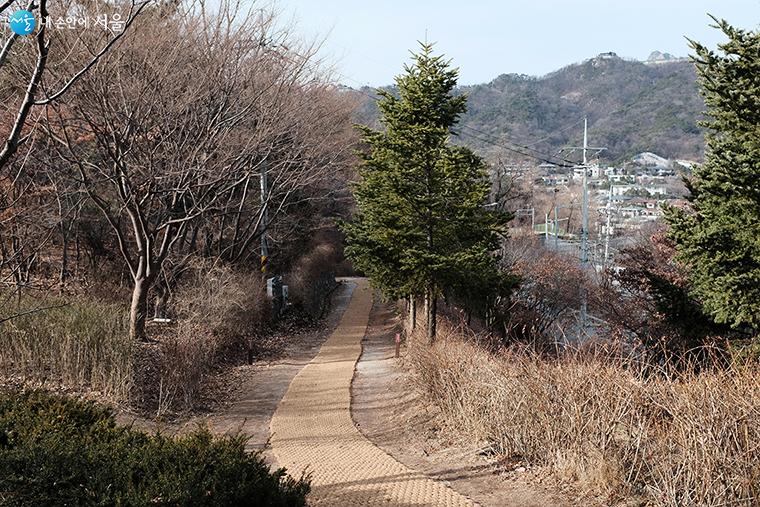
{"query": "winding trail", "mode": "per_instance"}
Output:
(312, 430)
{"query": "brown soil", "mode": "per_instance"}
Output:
(388, 411)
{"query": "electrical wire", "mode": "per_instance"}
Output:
(565, 129)
(503, 138)
(531, 152)
(541, 158)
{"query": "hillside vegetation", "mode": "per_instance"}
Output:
(592, 420)
(632, 107)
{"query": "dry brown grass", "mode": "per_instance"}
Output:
(70, 343)
(694, 440)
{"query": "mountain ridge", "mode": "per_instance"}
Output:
(632, 107)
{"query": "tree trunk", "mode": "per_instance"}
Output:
(431, 311)
(64, 259)
(426, 309)
(412, 313)
(77, 252)
(162, 297)
(138, 311)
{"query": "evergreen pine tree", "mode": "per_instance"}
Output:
(718, 237)
(421, 225)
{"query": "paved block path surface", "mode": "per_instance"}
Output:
(312, 430)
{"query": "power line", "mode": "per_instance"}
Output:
(564, 129)
(512, 150)
(543, 157)
(518, 145)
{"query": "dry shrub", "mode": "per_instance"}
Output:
(551, 286)
(647, 301)
(185, 358)
(312, 278)
(219, 313)
(692, 440)
(74, 343)
(229, 304)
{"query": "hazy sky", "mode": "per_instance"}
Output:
(370, 41)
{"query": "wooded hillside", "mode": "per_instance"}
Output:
(632, 107)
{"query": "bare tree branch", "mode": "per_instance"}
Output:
(130, 19)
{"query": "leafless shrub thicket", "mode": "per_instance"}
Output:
(543, 305)
(647, 302)
(219, 312)
(643, 303)
(310, 281)
(671, 441)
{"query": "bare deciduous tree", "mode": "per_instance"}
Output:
(171, 130)
(31, 90)
(35, 72)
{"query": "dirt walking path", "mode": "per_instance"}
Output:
(312, 430)
(260, 387)
(252, 412)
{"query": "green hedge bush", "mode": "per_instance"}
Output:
(60, 451)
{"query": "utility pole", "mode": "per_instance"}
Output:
(584, 207)
(609, 226)
(264, 220)
(584, 226)
(584, 222)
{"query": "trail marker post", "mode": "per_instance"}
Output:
(398, 344)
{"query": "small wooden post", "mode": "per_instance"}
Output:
(398, 344)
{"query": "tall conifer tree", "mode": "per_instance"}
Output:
(421, 225)
(719, 236)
